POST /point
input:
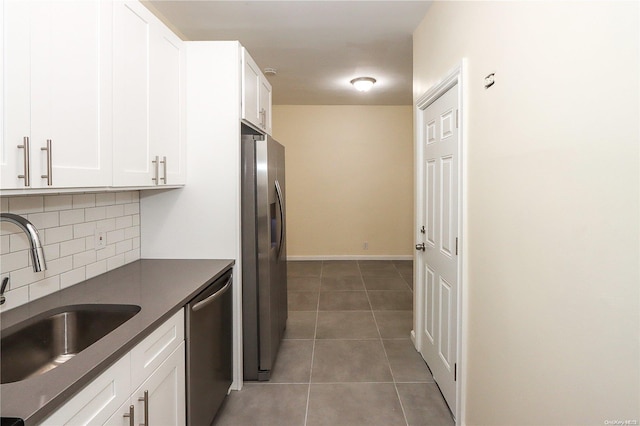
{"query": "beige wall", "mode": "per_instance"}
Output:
(553, 190)
(349, 177)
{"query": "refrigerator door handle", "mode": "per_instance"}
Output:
(281, 203)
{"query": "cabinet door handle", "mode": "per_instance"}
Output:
(145, 398)
(27, 161)
(155, 169)
(49, 175)
(164, 170)
(130, 415)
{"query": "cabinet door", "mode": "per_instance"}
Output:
(132, 147)
(250, 89)
(265, 104)
(167, 104)
(166, 402)
(98, 400)
(16, 91)
(71, 92)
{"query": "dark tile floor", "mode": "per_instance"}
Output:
(347, 358)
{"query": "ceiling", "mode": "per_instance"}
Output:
(317, 47)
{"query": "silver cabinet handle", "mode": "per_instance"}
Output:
(49, 175)
(420, 246)
(155, 169)
(130, 415)
(213, 297)
(164, 170)
(27, 161)
(145, 398)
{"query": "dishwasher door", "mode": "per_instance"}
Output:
(209, 351)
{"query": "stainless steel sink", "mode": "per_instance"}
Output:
(42, 343)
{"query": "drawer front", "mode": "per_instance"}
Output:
(155, 348)
(97, 401)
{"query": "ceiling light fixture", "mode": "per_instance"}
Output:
(363, 84)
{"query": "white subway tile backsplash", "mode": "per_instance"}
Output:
(81, 201)
(13, 261)
(95, 213)
(133, 208)
(72, 247)
(132, 232)
(124, 246)
(57, 202)
(107, 252)
(115, 262)
(71, 217)
(24, 277)
(106, 225)
(44, 287)
(67, 224)
(51, 251)
(18, 242)
(25, 205)
(115, 236)
(59, 266)
(124, 222)
(15, 298)
(84, 258)
(97, 268)
(85, 229)
(44, 220)
(125, 197)
(57, 235)
(72, 277)
(105, 199)
(115, 211)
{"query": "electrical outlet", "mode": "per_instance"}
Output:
(365, 245)
(100, 239)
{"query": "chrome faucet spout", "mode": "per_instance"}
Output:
(37, 253)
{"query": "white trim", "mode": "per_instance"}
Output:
(457, 76)
(351, 257)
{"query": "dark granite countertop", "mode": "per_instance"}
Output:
(159, 286)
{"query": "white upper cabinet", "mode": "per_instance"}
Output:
(256, 94)
(57, 94)
(149, 105)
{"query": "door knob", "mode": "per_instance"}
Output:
(420, 247)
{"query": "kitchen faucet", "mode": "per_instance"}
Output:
(37, 253)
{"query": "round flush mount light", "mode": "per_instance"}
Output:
(363, 84)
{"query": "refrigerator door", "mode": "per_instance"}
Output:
(272, 265)
(264, 254)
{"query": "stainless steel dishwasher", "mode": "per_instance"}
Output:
(209, 350)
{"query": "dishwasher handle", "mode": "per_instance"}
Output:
(213, 297)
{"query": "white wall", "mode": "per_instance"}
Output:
(66, 225)
(202, 220)
(349, 179)
(553, 205)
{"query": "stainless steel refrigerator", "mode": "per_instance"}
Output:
(264, 253)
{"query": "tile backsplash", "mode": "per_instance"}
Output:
(67, 226)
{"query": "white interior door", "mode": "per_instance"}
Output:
(439, 260)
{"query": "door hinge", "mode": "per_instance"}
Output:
(456, 119)
(455, 372)
(456, 246)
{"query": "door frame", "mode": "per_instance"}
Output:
(456, 76)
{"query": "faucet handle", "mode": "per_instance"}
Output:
(5, 281)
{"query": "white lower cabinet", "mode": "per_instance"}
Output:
(155, 367)
(96, 401)
(161, 398)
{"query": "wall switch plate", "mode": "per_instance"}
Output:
(100, 239)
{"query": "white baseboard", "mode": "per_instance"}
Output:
(351, 257)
